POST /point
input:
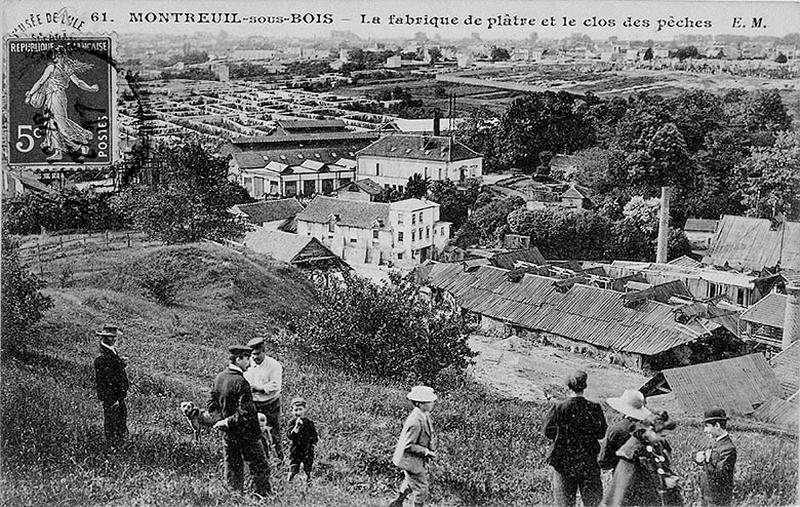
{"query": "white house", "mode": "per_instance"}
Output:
(392, 160)
(403, 233)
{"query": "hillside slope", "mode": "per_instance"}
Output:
(492, 449)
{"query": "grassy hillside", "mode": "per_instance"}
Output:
(492, 449)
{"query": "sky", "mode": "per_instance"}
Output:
(650, 19)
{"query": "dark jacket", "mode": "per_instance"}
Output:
(575, 425)
(306, 437)
(716, 482)
(231, 397)
(618, 434)
(111, 380)
(636, 480)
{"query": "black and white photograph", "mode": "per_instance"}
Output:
(385, 254)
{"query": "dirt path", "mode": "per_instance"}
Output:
(519, 369)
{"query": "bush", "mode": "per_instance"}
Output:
(23, 305)
(160, 285)
(386, 330)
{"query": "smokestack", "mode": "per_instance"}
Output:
(663, 225)
(436, 122)
(791, 318)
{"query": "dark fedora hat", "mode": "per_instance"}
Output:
(714, 414)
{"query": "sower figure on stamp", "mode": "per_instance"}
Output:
(302, 437)
(231, 397)
(265, 376)
(576, 425)
(111, 382)
(50, 93)
(415, 447)
(718, 460)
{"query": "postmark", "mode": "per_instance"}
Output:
(60, 101)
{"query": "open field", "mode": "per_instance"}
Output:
(492, 448)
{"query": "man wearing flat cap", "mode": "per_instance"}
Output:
(575, 426)
(718, 460)
(265, 376)
(111, 382)
(231, 397)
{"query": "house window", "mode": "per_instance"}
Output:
(375, 234)
(400, 188)
(420, 233)
(440, 173)
(399, 237)
(377, 169)
(428, 232)
(413, 219)
(353, 240)
(400, 256)
(400, 218)
(413, 236)
(331, 227)
(741, 297)
(426, 173)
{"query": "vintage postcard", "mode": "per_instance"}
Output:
(378, 253)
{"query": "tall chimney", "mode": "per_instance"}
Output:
(791, 318)
(663, 226)
(436, 122)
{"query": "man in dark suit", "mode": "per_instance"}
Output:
(231, 397)
(111, 383)
(718, 461)
(576, 425)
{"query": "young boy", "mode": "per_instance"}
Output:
(718, 461)
(415, 447)
(302, 439)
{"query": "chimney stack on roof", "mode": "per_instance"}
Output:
(663, 226)
(791, 317)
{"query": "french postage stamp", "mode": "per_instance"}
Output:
(61, 97)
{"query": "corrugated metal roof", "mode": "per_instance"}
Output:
(700, 225)
(768, 311)
(686, 262)
(753, 243)
(786, 365)
(780, 412)
(584, 313)
(661, 292)
(506, 260)
(270, 211)
(737, 385)
(419, 147)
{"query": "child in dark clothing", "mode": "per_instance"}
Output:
(302, 437)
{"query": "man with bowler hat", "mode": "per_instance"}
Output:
(111, 382)
(231, 397)
(718, 460)
(265, 376)
(575, 426)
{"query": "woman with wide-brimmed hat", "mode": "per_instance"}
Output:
(415, 447)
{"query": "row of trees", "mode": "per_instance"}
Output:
(715, 150)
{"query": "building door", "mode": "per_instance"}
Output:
(327, 186)
(290, 188)
(309, 187)
(258, 190)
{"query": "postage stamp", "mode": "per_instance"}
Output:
(61, 96)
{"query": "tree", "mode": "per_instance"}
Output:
(454, 203)
(417, 187)
(435, 54)
(386, 330)
(499, 54)
(478, 132)
(686, 52)
(765, 110)
(23, 304)
(561, 233)
(189, 200)
(781, 58)
(487, 224)
(648, 55)
(773, 179)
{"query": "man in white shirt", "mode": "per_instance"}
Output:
(265, 376)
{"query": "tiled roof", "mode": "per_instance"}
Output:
(365, 185)
(737, 385)
(573, 193)
(786, 365)
(283, 246)
(700, 225)
(583, 313)
(269, 211)
(744, 242)
(359, 214)
(506, 260)
(300, 138)
(291, 125)
(768, 311)
(434, 148)
(291, 158)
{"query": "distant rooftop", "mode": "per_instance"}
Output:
(419, 147)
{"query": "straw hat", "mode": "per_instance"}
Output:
(422, 394)
(631, 403)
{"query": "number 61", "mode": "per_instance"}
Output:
(22, 135)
